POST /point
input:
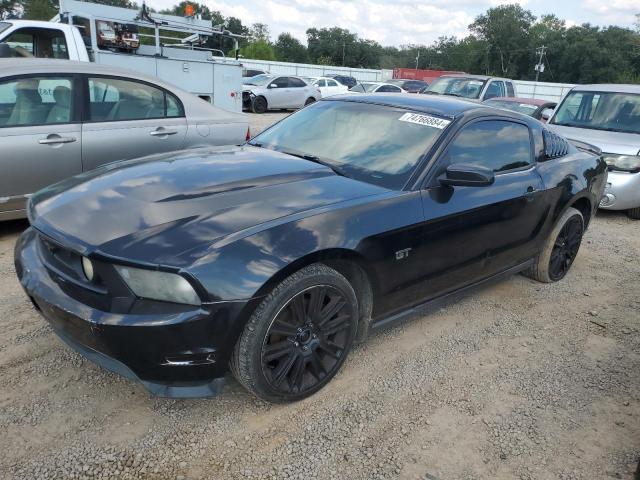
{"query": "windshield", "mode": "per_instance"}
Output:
(258, 80)
(372, 143)
(513, 106)
(369, 87)
(4, 26)
(457, 86)
(612, 111)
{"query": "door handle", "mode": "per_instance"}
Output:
(52, 140)
(160, 132)
(529, 193)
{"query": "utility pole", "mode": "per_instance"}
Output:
(540, 66)
(417, 59)
(343, 47)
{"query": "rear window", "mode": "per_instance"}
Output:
(4, 26)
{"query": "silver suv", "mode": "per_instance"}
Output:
(271, 92)
(472, 87)
(607, 116)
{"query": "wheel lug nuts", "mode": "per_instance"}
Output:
(304, 348)
(296, 344)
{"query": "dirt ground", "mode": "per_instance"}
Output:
(516, 380)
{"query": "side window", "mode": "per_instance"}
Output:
(511, 92)
(321, 83)
(495, 144)
(84, 25)
(296, 82)
(495, 89)
(36, 101)
(332, 83)
(281, 82)
(22, 44)
(388, 88)
(174, 107)
(114, 99)
(358, 88)
(41, 43)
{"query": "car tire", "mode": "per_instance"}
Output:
(634, 213)
(298, 337)
(259, 105)
(309, 101)
(560, 249)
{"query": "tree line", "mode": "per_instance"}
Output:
(505, 40)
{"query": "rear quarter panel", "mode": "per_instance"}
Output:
(578, 175)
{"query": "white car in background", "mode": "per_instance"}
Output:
(376, 87)
(329, 86)
(271, 92)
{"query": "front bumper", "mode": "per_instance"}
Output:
(176, 353)
(622, 191)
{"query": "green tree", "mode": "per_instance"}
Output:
(290, 49)
(10, 9)
(40, 9)
(258, 50)
(259, 31)
(506, 30)
(333, 43)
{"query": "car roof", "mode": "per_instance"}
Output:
(19, 66)
(477, 77)
(529, 101)
(439, 105)
(608, 87)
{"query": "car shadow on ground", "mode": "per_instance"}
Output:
(13, 228)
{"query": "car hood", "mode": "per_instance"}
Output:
(251, 88)
(608, 142)
(155, 209)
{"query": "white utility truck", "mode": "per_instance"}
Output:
(89, 32)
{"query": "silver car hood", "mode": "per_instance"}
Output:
(608, 142)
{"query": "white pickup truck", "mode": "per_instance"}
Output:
(82, 32)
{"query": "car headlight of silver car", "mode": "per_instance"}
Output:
(164, 286)
(626, 163)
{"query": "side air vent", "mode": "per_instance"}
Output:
(554, 145)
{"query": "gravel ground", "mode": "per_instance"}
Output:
(516, 380)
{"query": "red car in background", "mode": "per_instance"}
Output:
(536, 108)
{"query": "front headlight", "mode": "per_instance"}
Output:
(165, 286)
(627, 163)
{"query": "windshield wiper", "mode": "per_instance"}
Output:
(453, 94)
(314, 159)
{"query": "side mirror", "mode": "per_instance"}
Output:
(273, 85)
(467, 175)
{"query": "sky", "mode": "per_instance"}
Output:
(402, 22)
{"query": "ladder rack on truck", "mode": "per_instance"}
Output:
(85, 31)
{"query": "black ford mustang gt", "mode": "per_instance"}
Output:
(272, 258)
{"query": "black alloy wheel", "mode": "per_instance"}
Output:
(307, 340)
(259, 105)
(309, 101)
(565, 248)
